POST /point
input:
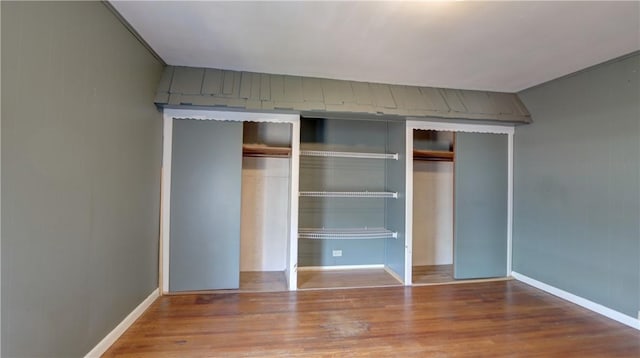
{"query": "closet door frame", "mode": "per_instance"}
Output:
(171, 114)
(453, 127)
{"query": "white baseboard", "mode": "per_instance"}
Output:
(342, 267)
(110, 338)
(590, 305)
(394, 274)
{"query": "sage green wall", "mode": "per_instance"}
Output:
(81, 155)
(577, 185)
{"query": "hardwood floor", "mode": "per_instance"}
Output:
(486, 319)
(432, 274)
(250, 282)
(345, 278)
(263, 281)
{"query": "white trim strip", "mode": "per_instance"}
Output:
(291, 272)
(393, 274)
(590, 305)
(212, 115)
(510, 203)
(408, 209)
(461, 127)
(167, 146)
(110, 338)
(340, 267)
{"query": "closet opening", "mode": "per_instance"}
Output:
(227, 201)
(264, 230)
(351, 206)
(433, 206)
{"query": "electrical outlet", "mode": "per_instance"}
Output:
(337, 253)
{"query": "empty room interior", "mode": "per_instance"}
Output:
(310, 179)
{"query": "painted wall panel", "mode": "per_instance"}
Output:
(354, 252)
(246, 79)
(395, 208)
(577, 185)
(337, 92)
(265, 87)
(212, 82)
(399, 95)
(478, 101)
(382, 96)
(206, 180)
(413, 98)
(504, 103)
(362, 92)
(277, 88)
(433, 99)
(480, 205)
(81, 152)
(452, 97)
(229, 85)
(255, 86)
(292, 89)
(312, 90)
(187, 80)
(338, 96)
(165, 82)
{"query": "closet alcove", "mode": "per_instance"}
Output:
(351, 207)
(459, 195)
(271, 202)
(228, 195)
(433, 180)
(266, 175)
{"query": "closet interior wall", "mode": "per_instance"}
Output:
(432, 213)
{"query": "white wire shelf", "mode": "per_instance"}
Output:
(349, 194)
(354, 233)
(361, 155)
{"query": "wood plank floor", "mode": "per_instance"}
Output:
(314, 279)
(251, 282)
(432, 274)
(262, 281)
(486, 319)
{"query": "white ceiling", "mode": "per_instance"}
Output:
(498, 46)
